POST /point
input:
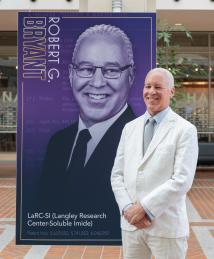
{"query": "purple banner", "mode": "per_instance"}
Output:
(80, 80)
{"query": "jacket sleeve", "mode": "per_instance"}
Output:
(180, 182)
(117, 176)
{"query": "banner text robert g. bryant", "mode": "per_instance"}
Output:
(41, 48)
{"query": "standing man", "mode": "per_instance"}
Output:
(79, 158)
(153, 170)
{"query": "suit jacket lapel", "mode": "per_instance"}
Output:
(163, 129)
(68, 142)
(107, 147)
(139, 138)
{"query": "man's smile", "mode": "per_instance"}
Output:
(97, 96)
(152, 98)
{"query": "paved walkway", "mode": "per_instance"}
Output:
(200, 204)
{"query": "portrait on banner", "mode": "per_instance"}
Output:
(80, 81)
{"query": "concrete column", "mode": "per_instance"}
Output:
(117, 6)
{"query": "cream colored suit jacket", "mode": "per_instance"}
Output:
(161, 178)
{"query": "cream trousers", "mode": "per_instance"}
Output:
(139, 245)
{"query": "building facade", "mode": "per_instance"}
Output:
(194, 57)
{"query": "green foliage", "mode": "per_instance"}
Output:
(167, 55)
(166, 50)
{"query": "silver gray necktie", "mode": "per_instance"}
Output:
(148, 133)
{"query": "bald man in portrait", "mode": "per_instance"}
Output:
(78, 162)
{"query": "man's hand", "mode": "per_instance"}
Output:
(134, 214)
(144, 223)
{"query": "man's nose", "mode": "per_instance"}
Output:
(153, 90)
(98, 79)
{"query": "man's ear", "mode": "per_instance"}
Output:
(70, 70)
(131, 75)
(172, 90)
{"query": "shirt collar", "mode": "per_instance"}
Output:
(158, 117)
(98, 130)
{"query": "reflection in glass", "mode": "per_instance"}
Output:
(8, 90)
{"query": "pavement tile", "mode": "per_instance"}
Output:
(201, 197)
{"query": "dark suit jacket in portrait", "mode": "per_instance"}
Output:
(88, 191)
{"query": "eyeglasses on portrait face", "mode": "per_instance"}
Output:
(109, 72)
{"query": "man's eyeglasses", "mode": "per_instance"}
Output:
(109, 72)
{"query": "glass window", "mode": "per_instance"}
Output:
(212, 42)
(8, 90)
(211, 100)
(199, 39)
(195, 97)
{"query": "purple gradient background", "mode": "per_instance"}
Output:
(46, 107)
